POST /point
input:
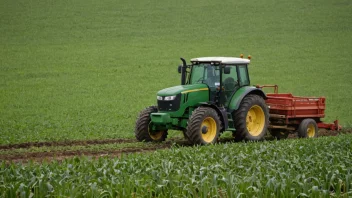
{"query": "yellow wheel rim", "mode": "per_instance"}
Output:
(311, 130)
(255, 120)
(156, 135)
(208, 129)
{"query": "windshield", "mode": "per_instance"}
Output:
(205, 73)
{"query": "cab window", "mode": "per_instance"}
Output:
(243, 75)
(205, 73)
(230, 80)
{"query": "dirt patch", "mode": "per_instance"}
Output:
(321, 133)
(65, 143)
(345, 131)
(325, 132)
(60, 155)
(48, 156)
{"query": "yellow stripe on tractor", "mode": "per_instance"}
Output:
(194, 90)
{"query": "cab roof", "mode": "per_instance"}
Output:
(223, 60)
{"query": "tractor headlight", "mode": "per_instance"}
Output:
(159, 97)
(168, 98)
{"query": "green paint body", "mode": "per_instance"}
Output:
(240, 94)
(192, 96)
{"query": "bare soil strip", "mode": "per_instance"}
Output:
(322, 132)
(65, 143)
(41, 156)
(60, 155)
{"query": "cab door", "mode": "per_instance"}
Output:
(237, 78)
(230, 83)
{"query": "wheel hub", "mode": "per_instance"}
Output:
(310, 130)
(255, 120)
(208, 129)
(204, 129)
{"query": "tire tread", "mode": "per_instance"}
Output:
(241, 114)
(195, 121)
(142, 125)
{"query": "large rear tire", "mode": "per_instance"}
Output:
(203, 126)
(308, 129)
(251, 118)
(142, 131)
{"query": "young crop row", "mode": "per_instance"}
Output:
(302, 167)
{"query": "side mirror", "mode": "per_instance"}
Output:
(179, 69)
(227, 70)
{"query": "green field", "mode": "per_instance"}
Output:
(84, 69)
(289, 168)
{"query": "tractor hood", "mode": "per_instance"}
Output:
(171, 91)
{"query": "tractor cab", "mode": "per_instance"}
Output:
(223, 76)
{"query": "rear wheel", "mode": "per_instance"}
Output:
(251, 118)
(308, 129)
(142, 129)
(279, 133)
(203, 126)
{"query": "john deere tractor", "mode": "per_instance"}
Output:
(214, 96)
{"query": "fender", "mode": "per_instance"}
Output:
(222, 113)
(241, 93)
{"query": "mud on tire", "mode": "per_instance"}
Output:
(142, 127)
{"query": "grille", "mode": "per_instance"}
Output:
(172, 105)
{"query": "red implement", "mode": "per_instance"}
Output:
(288, 111)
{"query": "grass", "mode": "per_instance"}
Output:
(84, 69)
(289, 168)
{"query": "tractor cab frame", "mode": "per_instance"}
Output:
(223, 78)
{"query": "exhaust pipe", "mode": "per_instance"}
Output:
(183, 71)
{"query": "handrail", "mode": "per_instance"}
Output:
(276, 87)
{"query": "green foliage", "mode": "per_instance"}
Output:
(83, 69)
(291, 168)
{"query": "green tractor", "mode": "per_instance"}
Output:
(214, 96)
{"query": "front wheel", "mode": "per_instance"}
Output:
(142, 129)
(203, 126)
(251, 118)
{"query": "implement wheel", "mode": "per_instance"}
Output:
(251, 118)
(308, 129)
(203, 126)
(142, 131)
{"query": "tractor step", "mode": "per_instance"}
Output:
(231, 122)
